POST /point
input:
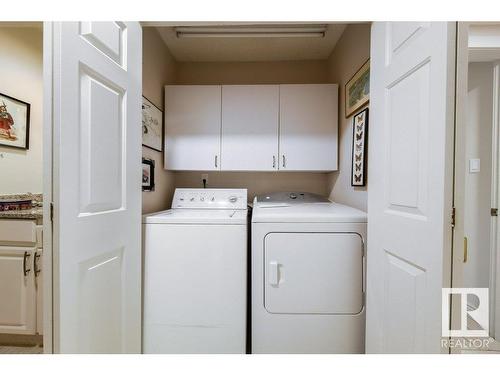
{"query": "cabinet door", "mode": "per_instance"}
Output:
(250, 127)
(313, 273)
(17, 291)
(39, 290)
(192, 127)
(308, 127)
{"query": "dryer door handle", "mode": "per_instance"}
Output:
(274, 273)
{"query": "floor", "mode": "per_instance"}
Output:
(21, 349)
(493, 346)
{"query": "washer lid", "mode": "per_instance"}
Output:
(327, 212)
(193, 216)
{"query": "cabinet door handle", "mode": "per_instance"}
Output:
(35, 264)
(284, 161)
(25, 260)
(274, 162)
(215, 161)
(466, 250)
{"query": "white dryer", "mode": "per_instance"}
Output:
(308, 284)
(195, 273)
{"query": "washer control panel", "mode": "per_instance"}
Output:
(221, 199)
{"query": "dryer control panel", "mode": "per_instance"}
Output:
(221, 199)
(291, 197)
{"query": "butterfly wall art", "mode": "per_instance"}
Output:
(359, 132)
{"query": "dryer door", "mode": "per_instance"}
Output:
(313, 273)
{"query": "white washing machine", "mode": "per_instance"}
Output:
(195, 273)
(308, 284)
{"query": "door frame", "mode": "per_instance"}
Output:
(459, 184)
(495, 202)
(47, 265)
(461, 79)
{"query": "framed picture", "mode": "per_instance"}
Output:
(152, 125)
(359, 134)
(14, 122)
(357, 90)
(148, 174)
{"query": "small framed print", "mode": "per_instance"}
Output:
(14, 122)
(152, 125)
(357, 90)
(148, 174)
(359, 137)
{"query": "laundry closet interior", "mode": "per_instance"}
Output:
(212, 68)
(254, 118)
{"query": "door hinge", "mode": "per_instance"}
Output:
(453, 215)
(494, 212)
(51, 211)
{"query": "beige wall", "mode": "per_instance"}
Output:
(159, 69)
(255, 73)
(230, 73)
(351, 51)
(21, 76)
(478, 185)
(257, 182)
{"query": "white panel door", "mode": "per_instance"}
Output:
(97, 84)
(308, 127)
(17, 290)
(192, 127)
(410, 164)
(250, 128)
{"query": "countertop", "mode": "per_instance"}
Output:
(34, 213)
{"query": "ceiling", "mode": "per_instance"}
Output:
(251, 48)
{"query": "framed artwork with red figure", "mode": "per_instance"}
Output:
(14, 122)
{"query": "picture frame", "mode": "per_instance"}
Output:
(148, 174)
(152, 125)
(359, 149)
(357, 90)
(14, 122)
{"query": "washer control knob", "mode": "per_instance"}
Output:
(233, 199)
(293, 196)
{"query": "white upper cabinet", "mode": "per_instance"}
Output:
(250, 127)
(192, 127)
(308, 127)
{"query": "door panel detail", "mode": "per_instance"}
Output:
(108, 37)
(101, 306)
(404, 293)
(102, 145)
